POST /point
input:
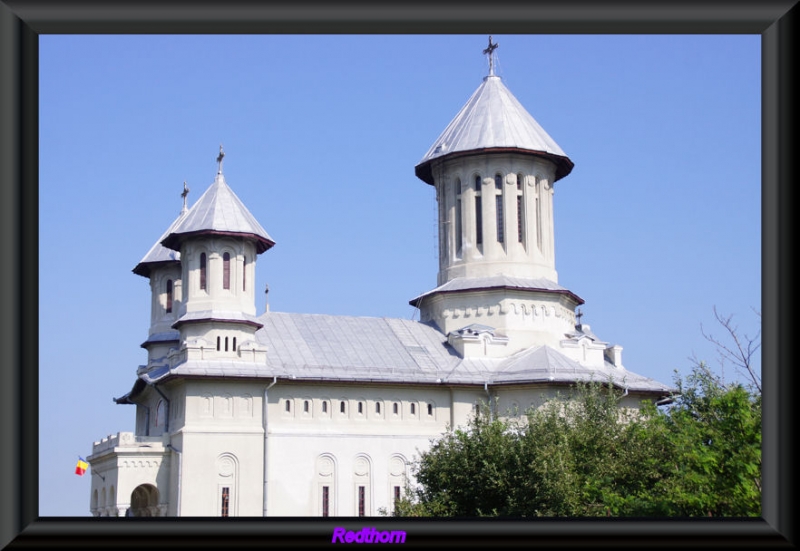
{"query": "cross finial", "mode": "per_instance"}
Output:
(490, 52)
(579, 315)
(184, 194)
(219, 159)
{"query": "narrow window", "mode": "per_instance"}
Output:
(226, 344)
(360, 408)
(378, 408)
(226, 271)
(234, 344)
(218, 339)
(478, 212)
(169, 296)
(341, 407)
(458, 215)
(325, 501)
(394, 408)
(519, 219)
(362, 500)
(413, 409)
(325, 406)
(226, 499)
(430, 409)
(305, 406)
(396, 495)
(288, 406)
(538, 224)
(244, 273)
(203, 271)
(498, 203)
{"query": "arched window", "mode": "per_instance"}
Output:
(458, 215)
(218, 340)
(324, 406)
(342, 407)
(413, 409)
(430, 409)
(288, 406)
(378, 408)
(203, 271)
(226, 344)
(226, 271)
(520, 210)
(169, 296)
(478, 212)
(498, 203)
(395, 408)
(234, 344)
(244, 273)
(360, 408)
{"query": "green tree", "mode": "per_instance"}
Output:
(582, 455)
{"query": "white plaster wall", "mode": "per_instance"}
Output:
(214, 297)
(534, 257)
(527, 318)
(160, 320)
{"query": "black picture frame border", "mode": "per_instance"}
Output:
(21, 23)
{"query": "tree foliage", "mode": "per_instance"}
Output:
(582, 455)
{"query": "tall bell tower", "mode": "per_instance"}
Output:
(494, 169)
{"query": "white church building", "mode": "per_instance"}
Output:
(284, 414)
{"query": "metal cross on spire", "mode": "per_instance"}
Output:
(219, 159)
(579, 315)
(184, 194)
(490, 52)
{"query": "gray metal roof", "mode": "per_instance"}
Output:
(219, 211)
(496, 282)
(493, 119)
(231, 316)
(158, 253)
(386, 350)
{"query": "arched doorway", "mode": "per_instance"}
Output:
(144, 501)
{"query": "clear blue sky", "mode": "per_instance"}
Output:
(658, 222)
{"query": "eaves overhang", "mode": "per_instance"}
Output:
(416, 302)
(174, 240)
(564, 165)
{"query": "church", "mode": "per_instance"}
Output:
(286, 414)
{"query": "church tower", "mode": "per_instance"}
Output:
(218, 240)
(494, 169)
(162, 267)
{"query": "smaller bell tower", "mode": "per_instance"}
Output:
(218, 241)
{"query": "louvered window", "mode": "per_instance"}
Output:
(169, 296)
(478, 212)
(203, 271)
(226, 271)
(498, 203)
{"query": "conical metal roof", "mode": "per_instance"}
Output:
(493, 120)
(158, 253)
(219, 211)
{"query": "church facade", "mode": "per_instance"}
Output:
(284, 414)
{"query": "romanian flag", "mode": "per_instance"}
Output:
(81, 467)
